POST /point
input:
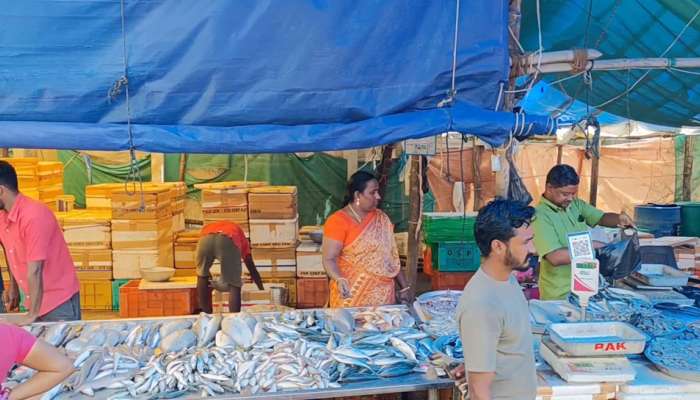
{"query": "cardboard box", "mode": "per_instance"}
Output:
(237, 214)
(185, 248)
(289, 283)
(217, 198)
(185, 254)
(87, 229)
(274, 262)
(179, 222)
(127, 264)
(141, 234)
(272, 202)
(310, 260)
(274, 233)
(144, 203)
(250, 295)
(99, 196)
(91, 259)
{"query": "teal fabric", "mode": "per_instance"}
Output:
(619, 29)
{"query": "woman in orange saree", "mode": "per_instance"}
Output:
(359, 251)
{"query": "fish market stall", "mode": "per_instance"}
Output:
(298, 354)
(669, 368)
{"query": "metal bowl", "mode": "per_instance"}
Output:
(157, 274)
(316, 236)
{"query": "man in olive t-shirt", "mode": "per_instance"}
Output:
(492, 314)
(560, 213)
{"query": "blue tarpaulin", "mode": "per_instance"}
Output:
(249, 76)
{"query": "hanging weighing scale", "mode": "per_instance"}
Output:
(585, 267)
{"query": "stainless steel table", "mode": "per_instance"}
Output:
(407, 383)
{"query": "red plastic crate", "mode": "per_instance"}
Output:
(155, 303)
(450, 280)
(312, 292)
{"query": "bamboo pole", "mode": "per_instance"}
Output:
(560, 153)
(617, 64)
(413, 229)
(688, 148)
(157, 167)
(183, 167)
(514, 16)
(595, 164)
(476, 162)
(383, 169)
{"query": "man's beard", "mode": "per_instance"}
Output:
(517, 265)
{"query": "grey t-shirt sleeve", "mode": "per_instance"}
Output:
(480, 329)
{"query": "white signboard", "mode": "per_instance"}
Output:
(421, 147)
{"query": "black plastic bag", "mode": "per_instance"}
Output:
(618, 260)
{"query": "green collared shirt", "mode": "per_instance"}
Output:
(551, 227)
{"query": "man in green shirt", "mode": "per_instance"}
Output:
(558, 214)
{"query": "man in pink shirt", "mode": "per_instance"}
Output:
(39, 260)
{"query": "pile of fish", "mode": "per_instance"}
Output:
(675, 357)
(438, 312)
(383, 319)
(211, 355)
(621, 305)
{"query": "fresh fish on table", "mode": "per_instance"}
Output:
(173, 326)
(178, 341)
(208, 355)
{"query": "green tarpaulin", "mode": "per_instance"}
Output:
(695, 182)
(320, 178)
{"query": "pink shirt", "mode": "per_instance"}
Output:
(16, 345)
(30, 232)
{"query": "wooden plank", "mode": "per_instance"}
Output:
(476, 161)
(157, 167)
(413, 229)
(688, 168)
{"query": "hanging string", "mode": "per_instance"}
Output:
(134, 175)
(245, 169)
(452, 93)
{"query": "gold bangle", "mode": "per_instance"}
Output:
(404, 289)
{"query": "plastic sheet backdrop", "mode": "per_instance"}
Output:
(639, 172)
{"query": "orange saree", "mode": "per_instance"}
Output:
(369, 261)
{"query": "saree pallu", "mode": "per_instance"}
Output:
(369, 263)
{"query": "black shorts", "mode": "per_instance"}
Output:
(219, 247)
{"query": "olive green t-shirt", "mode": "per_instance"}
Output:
(494, 325)
(551, 227)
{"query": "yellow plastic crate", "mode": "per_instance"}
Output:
(96, 295)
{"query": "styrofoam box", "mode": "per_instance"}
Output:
(310, 260)
(274, 232)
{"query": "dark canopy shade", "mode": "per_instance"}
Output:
(249, 76)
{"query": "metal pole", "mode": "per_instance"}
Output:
(688, 168)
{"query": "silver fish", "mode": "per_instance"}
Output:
(177, 341)
(173, 326)
(404, 348)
